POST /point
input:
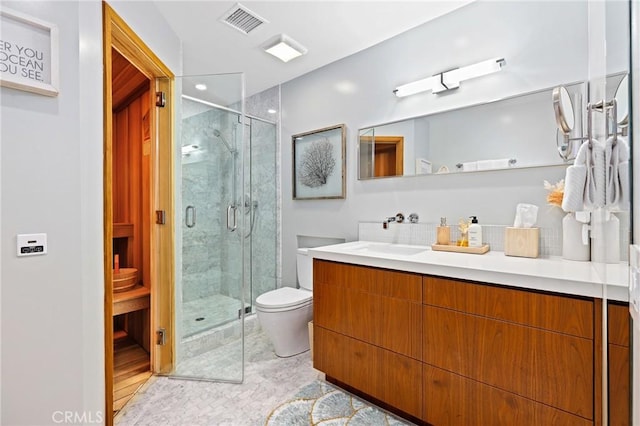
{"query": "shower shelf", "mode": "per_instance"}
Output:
(132, 300)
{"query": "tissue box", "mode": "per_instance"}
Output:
(522, 242)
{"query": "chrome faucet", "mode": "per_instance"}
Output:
(385, 223)
(397, 218)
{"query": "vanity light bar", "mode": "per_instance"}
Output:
(450, 79)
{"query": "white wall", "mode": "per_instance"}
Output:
(544, 44)
(52, 351)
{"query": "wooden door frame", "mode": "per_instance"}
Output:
(398, 144)
(119, 36)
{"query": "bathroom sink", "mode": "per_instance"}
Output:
(395, 249)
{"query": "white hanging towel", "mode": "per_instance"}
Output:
(617, 173)
(576, 181)
(597, 182)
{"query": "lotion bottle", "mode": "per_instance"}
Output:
(444, 232)
(475, 233)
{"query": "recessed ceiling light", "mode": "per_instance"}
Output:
(271, 111)
(201, 86)
(284, 48)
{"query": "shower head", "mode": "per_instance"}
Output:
(218, 135)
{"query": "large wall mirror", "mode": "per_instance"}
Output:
(519, 131)
(502, 120)
(515, 132)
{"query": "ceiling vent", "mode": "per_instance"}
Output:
(242, 19)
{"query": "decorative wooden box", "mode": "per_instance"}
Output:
(522, 242)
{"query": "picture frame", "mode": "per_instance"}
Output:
(319, 164)
(29, 58)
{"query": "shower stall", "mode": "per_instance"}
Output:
(228, 214)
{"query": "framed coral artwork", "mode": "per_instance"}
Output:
(319, 164)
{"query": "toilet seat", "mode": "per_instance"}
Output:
(284, 298)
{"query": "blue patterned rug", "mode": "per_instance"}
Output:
(320, 403)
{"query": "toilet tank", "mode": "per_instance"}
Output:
(304, 265)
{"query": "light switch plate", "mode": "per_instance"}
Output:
(31, 244)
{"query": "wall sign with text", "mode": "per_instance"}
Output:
(28, 53)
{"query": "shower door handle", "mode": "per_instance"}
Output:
(232, 212)
(190, 219)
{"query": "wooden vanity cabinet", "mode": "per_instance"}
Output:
(497, 355)
(619, 369)
(368, 331)
(451, 352)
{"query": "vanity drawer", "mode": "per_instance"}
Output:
(383, 282)
(375, 306)
(618, 322)
(567, 315)
(450, 399)
(619, 367)
(384, 375)
(551, 368)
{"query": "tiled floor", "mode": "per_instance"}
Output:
(206, 312)
(320, 403)
(280, 391)
(269, 381)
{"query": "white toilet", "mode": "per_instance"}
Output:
(285, 312)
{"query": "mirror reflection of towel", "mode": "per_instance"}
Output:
(577, 180)
(599, 177)
(617, 173)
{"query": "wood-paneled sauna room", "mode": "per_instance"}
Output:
(131, 229)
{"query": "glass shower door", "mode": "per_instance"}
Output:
(209, 297)
(608, 63)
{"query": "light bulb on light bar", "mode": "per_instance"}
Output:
(417, 86)
(450, 79)
(476, 70)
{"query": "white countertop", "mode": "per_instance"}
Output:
(552, 274)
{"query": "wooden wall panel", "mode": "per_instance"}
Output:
(128, 81)
(450, 399)
(552, 368)
(134, 111)
(132, 184)
(559, 313)
(146, 208)
(121, 168)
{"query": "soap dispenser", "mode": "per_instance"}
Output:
(475, 233)
(444, 232)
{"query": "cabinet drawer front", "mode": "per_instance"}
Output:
(383, 282)
(393, 324)
(619, 388)
(450, 399)
(550, 312)
(552, 368)
(384, 375)
(618, 323)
